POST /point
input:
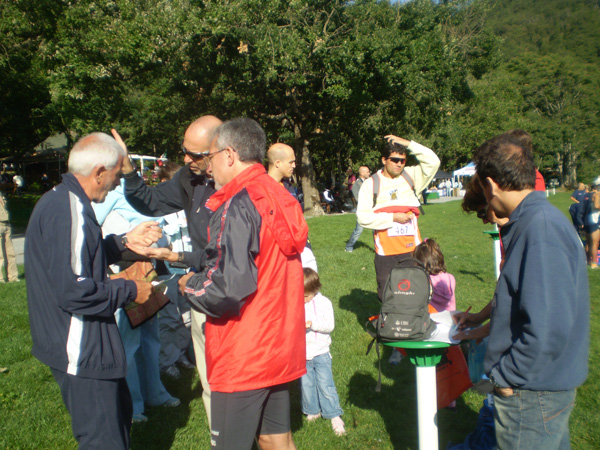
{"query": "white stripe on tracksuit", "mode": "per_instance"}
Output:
(76, 327)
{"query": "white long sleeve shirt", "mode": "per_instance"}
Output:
(320, 312)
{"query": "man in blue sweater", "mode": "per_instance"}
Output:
(539, 338)
(71, 300)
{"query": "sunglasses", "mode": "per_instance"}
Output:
(193, 155)
(397, 160)
(482, 213)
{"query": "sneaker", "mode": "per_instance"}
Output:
(139, 418)
(313, 417)
(172, 371)
(172, 403)
(396, 357)
(338, 426)
(349, 250)
(185, 363)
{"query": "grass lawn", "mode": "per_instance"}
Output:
(32, 415)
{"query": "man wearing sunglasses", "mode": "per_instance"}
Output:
(188, 190)
(251, 289)
(388, 203)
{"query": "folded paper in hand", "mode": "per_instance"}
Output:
(140, 313)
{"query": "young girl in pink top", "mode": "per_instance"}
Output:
(443, 283)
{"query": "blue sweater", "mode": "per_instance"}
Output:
(539, 336)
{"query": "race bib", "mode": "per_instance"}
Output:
(402, 229)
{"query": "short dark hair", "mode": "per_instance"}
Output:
(391, 147)
(245, 136)
(167, 170)
(430, 254)
(507, 161)
(312, 283)
(474, 197)
(523, 136)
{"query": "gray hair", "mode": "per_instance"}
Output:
(245, 136)
(95, 149)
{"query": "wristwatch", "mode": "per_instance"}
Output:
(124, 239)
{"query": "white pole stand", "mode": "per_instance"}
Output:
(427, 407)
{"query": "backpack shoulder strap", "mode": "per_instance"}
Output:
(376, 183)
(409, 180)
(411, 183)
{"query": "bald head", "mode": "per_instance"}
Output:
(282, 161)
(364, 172)
(200, 132)
(196, 141)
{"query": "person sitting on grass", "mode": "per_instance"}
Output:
(319, 396)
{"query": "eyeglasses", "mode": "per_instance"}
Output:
(210, 156)
(397, 160)
(193, 155)
(483, 213)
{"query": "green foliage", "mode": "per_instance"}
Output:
(329, 77)
(24, 27)
(120, 64)
(547, 83)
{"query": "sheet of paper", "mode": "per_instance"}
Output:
(445, 328)
(161, 286)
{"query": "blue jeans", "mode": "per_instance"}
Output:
(142, 347)
(531, 420)
(354, 237)
(318, 390)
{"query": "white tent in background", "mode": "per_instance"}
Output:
(467, 171)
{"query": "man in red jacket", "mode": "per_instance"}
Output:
(252, 293)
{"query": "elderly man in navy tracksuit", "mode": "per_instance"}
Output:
(72, 301)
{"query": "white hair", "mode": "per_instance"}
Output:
(95, 149)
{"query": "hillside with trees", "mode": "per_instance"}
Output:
(547, 82)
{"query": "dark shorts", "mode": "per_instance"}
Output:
(237, 417)
(591, 228)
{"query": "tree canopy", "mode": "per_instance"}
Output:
(329, 78)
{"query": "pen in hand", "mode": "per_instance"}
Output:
(463, 318)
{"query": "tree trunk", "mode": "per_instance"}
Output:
(570, 166)
(559, 164)
(312, 200)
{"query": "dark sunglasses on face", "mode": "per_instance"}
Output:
(397, 160)
(193, 155)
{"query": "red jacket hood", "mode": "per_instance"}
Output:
(278, 209)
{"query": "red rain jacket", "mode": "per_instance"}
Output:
(252, 288)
